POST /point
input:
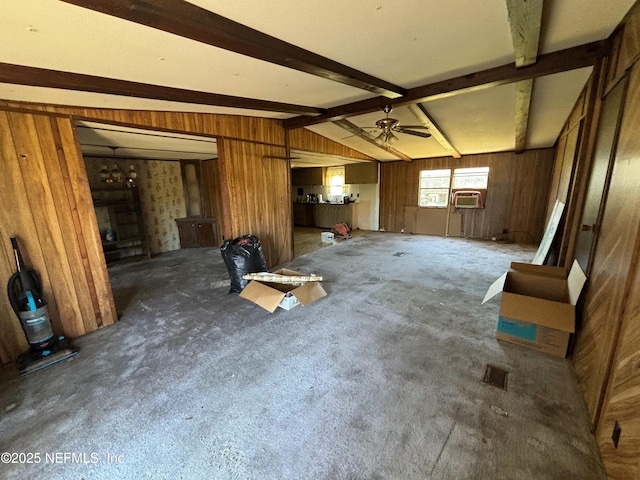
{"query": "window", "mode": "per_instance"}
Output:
(471, 178)
(335, 179)
(434, 188)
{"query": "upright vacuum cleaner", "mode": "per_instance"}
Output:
(25, 295)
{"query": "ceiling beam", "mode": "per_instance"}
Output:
(524, 89)
(550, 63)
(42, 77)
(436, 132)
(357, 131)
(190, 21)
(525, 19)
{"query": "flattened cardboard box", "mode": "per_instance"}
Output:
(538, 306)
(273, 295)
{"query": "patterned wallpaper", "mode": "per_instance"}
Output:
(161, 195)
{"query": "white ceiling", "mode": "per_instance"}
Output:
(409, 43)
(105, 140)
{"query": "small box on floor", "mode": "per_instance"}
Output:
(538, 306)
(270, 295)
(327, 237)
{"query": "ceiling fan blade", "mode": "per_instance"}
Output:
(415, 126)
(411, 132)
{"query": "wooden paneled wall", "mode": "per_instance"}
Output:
(516, 193)
(573, 158)
(47, 205)
(256, 194)
(253, 129)
(212, 194)
(623, 395)
(607, 352)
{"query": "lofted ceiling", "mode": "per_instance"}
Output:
(480, 76)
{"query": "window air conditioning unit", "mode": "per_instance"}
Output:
(467, 200)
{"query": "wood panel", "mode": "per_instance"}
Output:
(257, 189)
(46, 204)
(587, 112)
(558, 165)
(303, 139)
(605, 359)
(516, 193)
(628, 49)
(606, 354)
(86, 225)
(566, 151)
(211, 188)
(12, 195)
(621, 404)
(527, 216)
(361, 173)
(254, 129)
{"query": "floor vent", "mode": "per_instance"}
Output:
(496, 376)
(398, 254)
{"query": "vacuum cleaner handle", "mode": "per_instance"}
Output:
(16, 252)
(28, 288)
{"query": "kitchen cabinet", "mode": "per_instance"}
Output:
(197, 232)
(119, 211)
(327, 215)
(322, 215)
(360, 173)
(304, 214)
(307, 176)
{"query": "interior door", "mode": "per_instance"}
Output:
(612, 109)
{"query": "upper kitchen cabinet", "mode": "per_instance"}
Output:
(307, 176)
(359, 173)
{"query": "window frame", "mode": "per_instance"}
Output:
(330, 175)
(485, 173)
(437, 189)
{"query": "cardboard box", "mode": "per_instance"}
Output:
(538, 306)
(273, 295)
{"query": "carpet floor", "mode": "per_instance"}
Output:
(380, 379)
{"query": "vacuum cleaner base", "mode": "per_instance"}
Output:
(30, 361)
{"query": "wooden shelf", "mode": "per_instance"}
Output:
(125, 221)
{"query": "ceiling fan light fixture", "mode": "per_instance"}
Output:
(386, 137)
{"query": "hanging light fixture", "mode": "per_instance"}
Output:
(131, 176)
(116, 174)
(105, 174)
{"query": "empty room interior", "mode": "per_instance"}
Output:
(320, 240)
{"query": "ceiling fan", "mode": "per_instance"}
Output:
(389, 125)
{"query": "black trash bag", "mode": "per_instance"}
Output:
(242, 255)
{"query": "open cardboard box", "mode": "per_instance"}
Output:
(538, 306)
(273, 295)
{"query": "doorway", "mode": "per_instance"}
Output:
(137, 182)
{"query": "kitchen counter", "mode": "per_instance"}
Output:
(323, 215)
